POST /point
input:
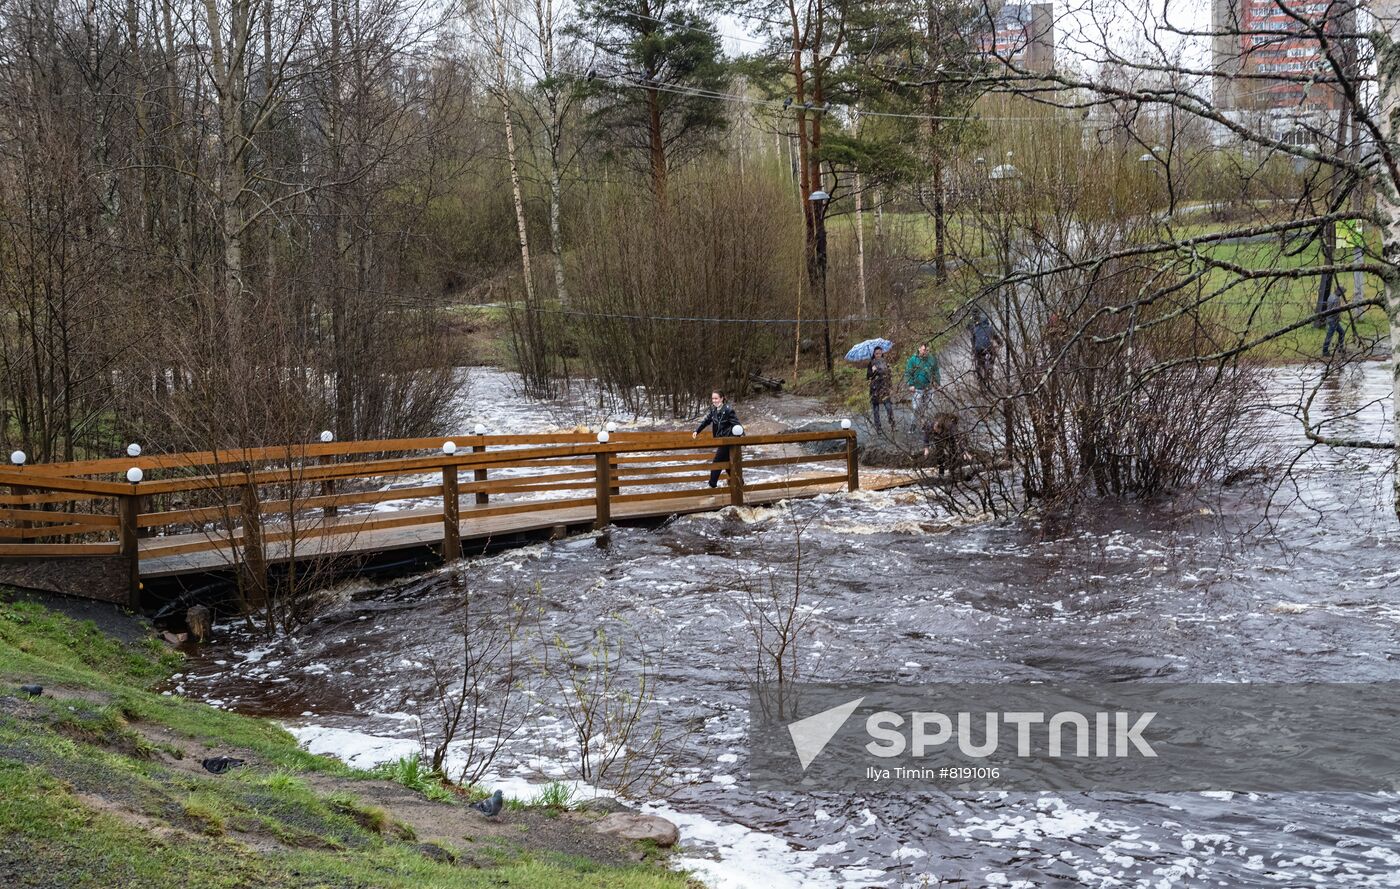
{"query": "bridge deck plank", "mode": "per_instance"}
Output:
(474, 529)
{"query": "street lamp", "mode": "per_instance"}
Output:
(1150, 157)
(817, 272)
(1004, 171)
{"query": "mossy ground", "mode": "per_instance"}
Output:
(100, 786)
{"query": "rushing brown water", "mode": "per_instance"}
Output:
(1303, 586)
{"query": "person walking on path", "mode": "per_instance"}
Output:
(881, 387)
(984, 343)
(722, 420)
(1334, 322)
(920, 373)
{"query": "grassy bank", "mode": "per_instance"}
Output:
(1252, 308)
(101, 786)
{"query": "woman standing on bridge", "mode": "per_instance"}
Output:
(722, 420)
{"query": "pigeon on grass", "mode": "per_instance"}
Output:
(220, 764)
(491, 806)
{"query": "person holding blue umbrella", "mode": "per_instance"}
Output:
(881, 387)
(863, 350)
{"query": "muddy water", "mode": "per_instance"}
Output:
(1231, 589)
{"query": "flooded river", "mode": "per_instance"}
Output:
(1303, 586)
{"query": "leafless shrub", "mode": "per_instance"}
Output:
(608, 699)
(663, 297)
(777, 605)
(476, 696)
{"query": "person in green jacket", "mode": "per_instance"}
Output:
(921, 375)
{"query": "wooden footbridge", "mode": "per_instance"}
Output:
(84, 529)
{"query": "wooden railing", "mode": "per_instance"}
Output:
(263, 504)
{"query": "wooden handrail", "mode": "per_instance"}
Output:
(35, 480)
(400, 466)
(563, 466)
(192, 459)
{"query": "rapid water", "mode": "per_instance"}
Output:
(1303, 585)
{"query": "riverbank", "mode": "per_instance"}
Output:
(102, 784)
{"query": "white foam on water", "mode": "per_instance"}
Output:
(742, 858)
(722, 855)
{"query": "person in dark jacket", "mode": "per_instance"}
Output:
(1334, 322)
(984, 343)
(881, 387)
(722, 420)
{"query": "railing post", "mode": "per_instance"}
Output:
(22, 524)
(128, 509)
(852, 462)
(602, 470)
(328, 485)
(480, 475)
(254, 558)
(451, 511)
(736, 475)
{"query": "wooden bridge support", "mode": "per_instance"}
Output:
(254, 564)
(602, 470)
(451, 515)
(19, 491)
(852, 462)
(736, 475)
(480, 476)
(128, 509)
(327, 486)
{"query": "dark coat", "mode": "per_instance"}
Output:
(722, 419)
(878, 375)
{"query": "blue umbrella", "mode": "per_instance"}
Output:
(863, 351)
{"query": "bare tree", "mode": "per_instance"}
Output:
(476, 698)
(1299, 105)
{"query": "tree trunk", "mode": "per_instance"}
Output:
(544, 21)
(860, 247)
(1388, 208)
(556, 236)
(656, 147)
(503, 96)
(940, 222)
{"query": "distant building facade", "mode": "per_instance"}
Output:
(1022, 34)
(1256, 40)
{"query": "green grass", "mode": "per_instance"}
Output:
(1253, 308)
(411, 773)
(556, 795)
(916, 229)
(87, 800)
